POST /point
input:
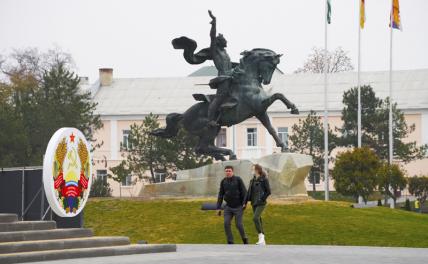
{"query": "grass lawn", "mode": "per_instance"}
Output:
(309, 223)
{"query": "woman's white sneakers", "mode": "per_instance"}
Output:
(261, 241)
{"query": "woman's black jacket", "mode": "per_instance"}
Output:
(258, 191)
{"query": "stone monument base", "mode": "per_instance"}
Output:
(286, 173)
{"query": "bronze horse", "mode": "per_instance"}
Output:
(248, 99)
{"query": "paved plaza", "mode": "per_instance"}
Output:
(217, 254)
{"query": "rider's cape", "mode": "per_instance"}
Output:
(189, 46)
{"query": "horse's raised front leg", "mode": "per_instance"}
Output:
(264, 119)
(282, 98)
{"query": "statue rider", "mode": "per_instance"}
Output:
(224, 67)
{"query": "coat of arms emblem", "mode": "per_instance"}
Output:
(67, 172)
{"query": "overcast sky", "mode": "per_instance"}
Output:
(134, 37)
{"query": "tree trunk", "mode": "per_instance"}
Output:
(312, 171)
(152, 173)
(151, 164)
(314, 189)
(394, 201)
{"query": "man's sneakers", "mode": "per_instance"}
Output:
(261, 241)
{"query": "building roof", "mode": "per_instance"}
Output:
(212, 71)
(204, 71)
(140, 96)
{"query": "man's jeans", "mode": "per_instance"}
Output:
(229, 213)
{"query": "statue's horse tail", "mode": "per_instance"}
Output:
(172, 126)
(189, 46)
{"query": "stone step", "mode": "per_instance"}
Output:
(7, 218)
(27, 225)
(44, 234)
(57, 244)
(84, 253)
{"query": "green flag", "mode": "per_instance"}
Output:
(328, 11)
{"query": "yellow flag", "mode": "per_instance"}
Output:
(395, 13)
(362, 13)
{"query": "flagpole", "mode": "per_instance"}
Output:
(326, 180)
(390, 85)
(360, 198)
(358, 75)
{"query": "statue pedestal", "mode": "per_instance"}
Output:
(286, 173)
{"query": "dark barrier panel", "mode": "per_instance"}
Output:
(33, 207)
(34, 192)
(10, 192)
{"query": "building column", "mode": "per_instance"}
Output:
(114, 146)
(424, 127)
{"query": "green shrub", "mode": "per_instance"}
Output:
(100, 188)
(392, 179)
(355, 172)
(407, 205)
(418, 186)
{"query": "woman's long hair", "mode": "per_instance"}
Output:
(260, 170)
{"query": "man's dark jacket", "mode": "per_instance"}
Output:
(233, 191)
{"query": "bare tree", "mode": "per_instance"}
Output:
(338, 61)
(32, 62)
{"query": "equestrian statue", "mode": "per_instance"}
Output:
(239, 94)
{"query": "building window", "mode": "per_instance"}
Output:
(221, 138)
(283, 135)
(127, 181)
(251, 137)
(160, 176)
(125, 139)
(102, 175)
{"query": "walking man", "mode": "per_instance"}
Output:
(233, 192)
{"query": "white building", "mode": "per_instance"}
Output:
(124, 101)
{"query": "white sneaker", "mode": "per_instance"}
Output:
(261, 241)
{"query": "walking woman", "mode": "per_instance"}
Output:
(258, 192)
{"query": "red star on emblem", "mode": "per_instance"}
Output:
(72, 137)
